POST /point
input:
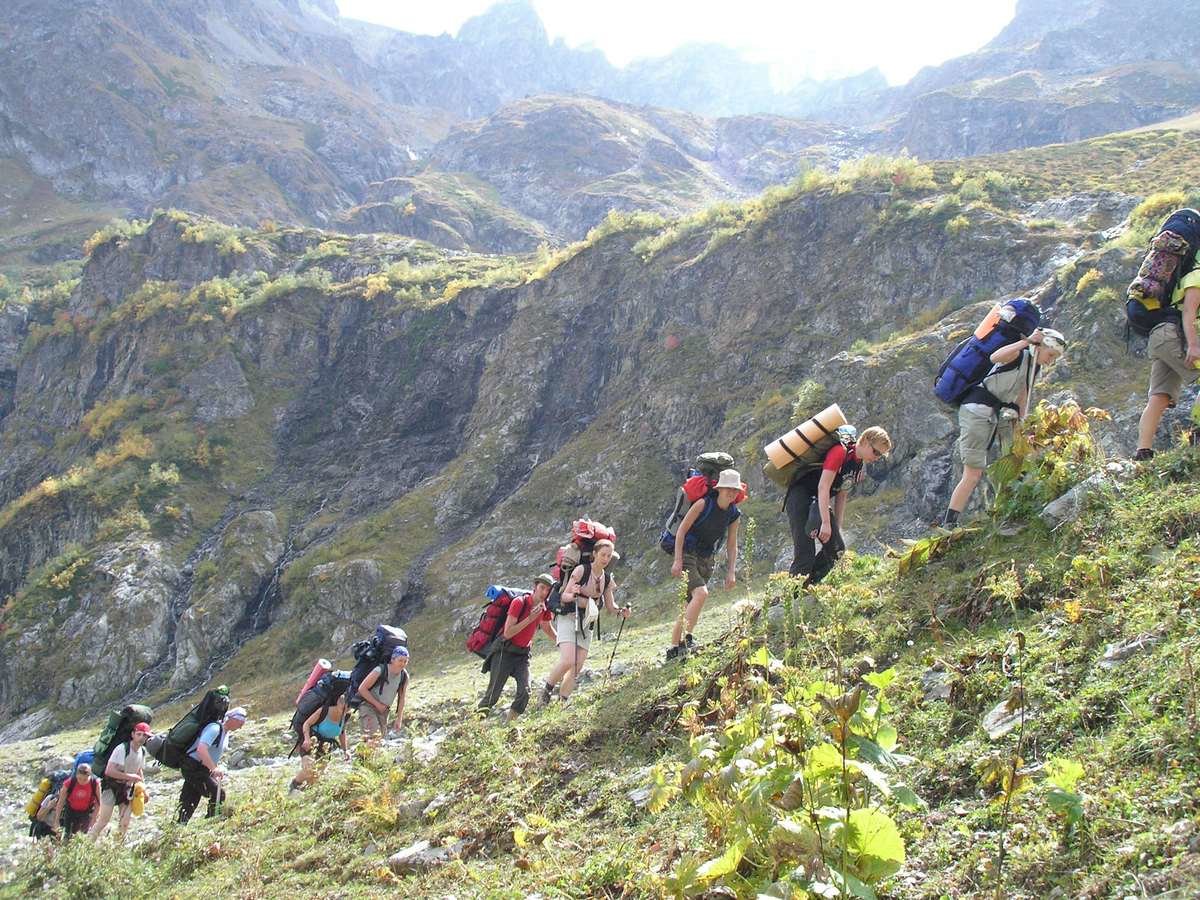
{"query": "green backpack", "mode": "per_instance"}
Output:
(117, 730)
(811, 458)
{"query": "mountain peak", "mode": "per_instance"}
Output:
(506, 22)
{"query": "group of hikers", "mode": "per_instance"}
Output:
(989, 378)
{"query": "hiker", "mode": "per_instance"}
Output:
(709, 522)
(324, 727)
(990, 410)
(1174, 352)
(121, 774)
(816, 501)
(382, 685)
(78, 800)
(510, 658)
(588, 586)
(201, 775)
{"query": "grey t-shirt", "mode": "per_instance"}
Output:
(386, 693)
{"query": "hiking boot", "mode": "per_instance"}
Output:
(1142, 454)
(546, 693)
(678, 651)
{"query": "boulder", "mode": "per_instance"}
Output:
(1001, 720)
(1116, 653)
(421, 857)
(1070, 505)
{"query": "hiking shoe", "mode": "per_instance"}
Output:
(1143, 454)
(689, 642)
(678, 651)
(546, 693)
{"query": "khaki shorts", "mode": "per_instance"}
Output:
(1167, 357)
(371, 722)
(569, 631)
(975, 436)
(698, 570)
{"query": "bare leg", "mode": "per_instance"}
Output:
(106, 811)
(568, 683)
(691, 615)
(966, 484)
(1152, 415)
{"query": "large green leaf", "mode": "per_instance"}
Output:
(875, 842)
(725, 863)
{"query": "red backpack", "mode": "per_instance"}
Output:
(491, 621)
(576, 552)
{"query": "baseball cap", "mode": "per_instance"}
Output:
(142, 728)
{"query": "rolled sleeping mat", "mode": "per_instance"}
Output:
(800, 444)
(318, 672)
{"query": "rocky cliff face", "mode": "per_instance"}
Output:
(294, 434)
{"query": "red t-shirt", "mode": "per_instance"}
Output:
(516, 612)
(844, 462)
(81, 796)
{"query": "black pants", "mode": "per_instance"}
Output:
(804, 517)
(73, 822)
(508, 662)
(197, 783)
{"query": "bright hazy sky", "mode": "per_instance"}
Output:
(797, 37)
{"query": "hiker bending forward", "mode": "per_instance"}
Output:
(201, 775)
(382, 685)
(122, 774)
(708, 522)
(326, 725)
(526, 614)
(816, 501)
(989, 412)
(590, 581)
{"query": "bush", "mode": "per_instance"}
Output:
(1087, 281)
(957, 225)
(1148, 215)
(116, 230)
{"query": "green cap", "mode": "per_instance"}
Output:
(545, 578)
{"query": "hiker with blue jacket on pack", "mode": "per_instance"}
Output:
(202, 776)
(709, 522)
(990, 411)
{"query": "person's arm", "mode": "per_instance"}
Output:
(115, 768)
(364, 692)
(572, 588)
(1009, 352)
(681, 535)
(512, 627)
(400, 695)
(610, 599)
(309, 724)
(839, 506)
(64, 789)
(342, 741)
(1191, 305)
(206, 759)
(824, 490)
(549, 629)
(731, 552)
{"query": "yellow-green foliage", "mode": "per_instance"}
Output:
(116, 230)
(901, 174)
(326, 250)
(206, 231)
(376, 285)
(957, 225)
(1148, 215)
(97, 421)
(1088, 280)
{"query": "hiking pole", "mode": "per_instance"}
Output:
(612, 655)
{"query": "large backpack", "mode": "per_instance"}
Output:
(970, 362)
(491, 620)
(846, 435)
(321, 695)
(699, 481)
(47, 787)
(172, 750)
(371, 652)
(1172, 255)
(576, 552)
(117, 730)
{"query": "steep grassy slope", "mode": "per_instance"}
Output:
(1090, 629)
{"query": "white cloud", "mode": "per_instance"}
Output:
(797, 39)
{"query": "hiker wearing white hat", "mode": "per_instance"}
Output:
(711, 521)
(989, 412)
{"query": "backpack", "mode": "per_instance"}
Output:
(47, 788)
(172, 750)
(321, 695)
(371, 652)
(577, 551)
(846, 435)
(970, 362)
(1172, 255)
(491, 620)
(118, 730)
(699, 481)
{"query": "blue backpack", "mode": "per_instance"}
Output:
(970, 361)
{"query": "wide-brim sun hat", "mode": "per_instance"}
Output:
(729, 478)
(1055, 340)
(545, 578)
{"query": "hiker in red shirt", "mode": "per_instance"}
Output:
(78, 800)
(526, 614)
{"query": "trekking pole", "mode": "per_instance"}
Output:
(612, 655)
